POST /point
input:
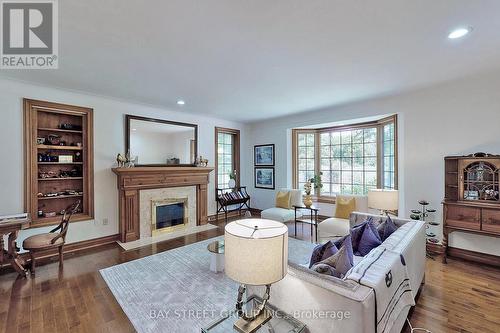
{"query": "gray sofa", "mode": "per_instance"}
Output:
(320, 300)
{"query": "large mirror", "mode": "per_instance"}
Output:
(161, 142)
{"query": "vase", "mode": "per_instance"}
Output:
(231, 183)
(307, 200)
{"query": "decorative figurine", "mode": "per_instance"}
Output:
(120, 160)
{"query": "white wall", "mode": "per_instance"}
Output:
(109, 139)
(455, 118)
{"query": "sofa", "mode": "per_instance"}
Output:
(337, 227)
(308, 295)
(282, 214)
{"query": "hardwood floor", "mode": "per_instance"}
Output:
(457, 297)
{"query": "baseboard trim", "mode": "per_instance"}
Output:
(79, 246)
(482, 258)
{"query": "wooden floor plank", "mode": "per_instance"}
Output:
(457, 297)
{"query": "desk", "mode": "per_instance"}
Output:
(10, 228)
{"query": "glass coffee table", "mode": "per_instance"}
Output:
(279, 323)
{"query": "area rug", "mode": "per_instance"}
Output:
(175, 291)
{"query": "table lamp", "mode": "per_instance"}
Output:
(384, 200)
(256, 253)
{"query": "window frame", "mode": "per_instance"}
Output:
(379, 124)
(235, 153)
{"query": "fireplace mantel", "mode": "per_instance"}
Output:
(132, 180)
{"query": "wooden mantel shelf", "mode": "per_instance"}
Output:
(132, 180)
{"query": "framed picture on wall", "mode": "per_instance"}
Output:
(264, 155)
(264, 178)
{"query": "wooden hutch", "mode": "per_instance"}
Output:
(58, 161)
(472, 202)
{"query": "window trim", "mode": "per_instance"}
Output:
(317, 131)
(236, 153)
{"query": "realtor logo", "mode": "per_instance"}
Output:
(29, 34)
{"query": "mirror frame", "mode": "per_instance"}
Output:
(129, 118)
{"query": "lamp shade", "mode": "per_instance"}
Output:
(383, 199)
(256, 251)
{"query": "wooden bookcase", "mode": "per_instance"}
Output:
(53, 132)
(472, 201)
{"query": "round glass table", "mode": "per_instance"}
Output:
(216, 250)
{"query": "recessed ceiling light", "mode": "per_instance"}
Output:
(134, 129)
(180, 102)
(459, 33)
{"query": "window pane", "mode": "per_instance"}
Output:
(345, 137)
(370, 134)
(357, 177)
(325, 139)
(302, 152)
(225, 162)
(357, 163)
(371, 163)
(335, 138)
(370, 149)
(325, 164)
(357, 136)
(302, 140)
(357, 150)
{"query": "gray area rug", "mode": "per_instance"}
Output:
(175, 291)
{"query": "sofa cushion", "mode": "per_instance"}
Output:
(322, 251)
(279, 214)
(344, 207)
(283, 199)
(370, 239)
(386, 228)
(295, 196)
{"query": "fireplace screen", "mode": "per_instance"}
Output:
(168, 215)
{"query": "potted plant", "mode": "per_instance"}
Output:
(232, 180)
(316, 182)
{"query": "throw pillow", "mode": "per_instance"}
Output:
(339, 263)
(386, 228)
(321, 252)
(370, 239)
(344, 207)
(346, 242)
(357, 231)
(283, 200)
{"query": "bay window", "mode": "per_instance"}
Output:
(351, 159)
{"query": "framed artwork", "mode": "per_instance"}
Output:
(264, 155)
(264, 178)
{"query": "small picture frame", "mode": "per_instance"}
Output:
(264, 155)
(264, 178)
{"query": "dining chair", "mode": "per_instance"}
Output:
(52, 239)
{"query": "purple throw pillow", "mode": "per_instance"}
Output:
(346, 242)
(336, 265)
(386, 228)
(321, 252)
(370, 239)
(357, 231)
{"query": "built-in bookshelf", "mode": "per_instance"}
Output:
(58, 161)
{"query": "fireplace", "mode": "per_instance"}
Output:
(168, 215)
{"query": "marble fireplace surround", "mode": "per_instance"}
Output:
(132, 181)
(146, 202)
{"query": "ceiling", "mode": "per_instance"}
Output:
(251, 60)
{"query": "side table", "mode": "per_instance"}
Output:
(313, 221)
